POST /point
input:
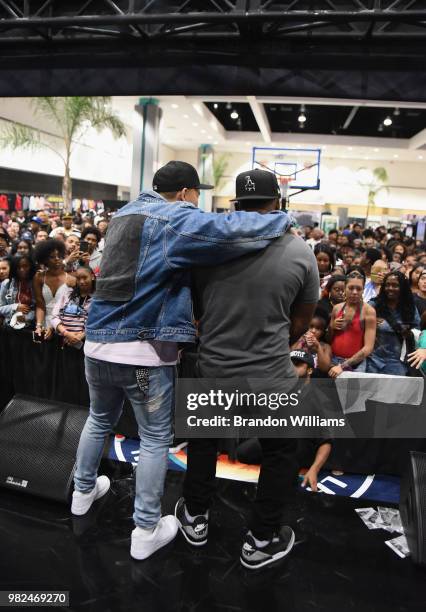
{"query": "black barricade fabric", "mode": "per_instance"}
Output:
(49, 372)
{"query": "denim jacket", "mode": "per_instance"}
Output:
(143, 290)
(8, 301)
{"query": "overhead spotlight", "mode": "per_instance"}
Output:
(396, 112)
(387, 122)
(228, 106)
(234, 115)
(175, 105)
(302, 117)
(215, 105)
(380, 128)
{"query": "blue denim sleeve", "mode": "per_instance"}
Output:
(194, 237)
(5, 308)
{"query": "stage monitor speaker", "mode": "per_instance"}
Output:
(38, 445)
(413, 506)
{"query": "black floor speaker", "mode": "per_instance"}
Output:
(413, 506)
(38, 445)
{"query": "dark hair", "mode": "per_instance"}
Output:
(76, 289)
(393, 247)
(91, 230)
(406, 303)
(386, 251)
(373, 255)
(14, 264)
(320, 313)
(414, 268)
(15, 245)
(339, 278)
(327, 250)
(5, 234)
(368, 233)
(355, 272)
(43, 250)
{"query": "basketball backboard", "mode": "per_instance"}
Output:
(301, 167)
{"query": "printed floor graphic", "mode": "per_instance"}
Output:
(376, 487)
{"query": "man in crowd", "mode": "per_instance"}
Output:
(141, 310)
(250, 311)
(93, 256)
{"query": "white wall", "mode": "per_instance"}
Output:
(99, 157)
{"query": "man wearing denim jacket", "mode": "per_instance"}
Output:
(141, 310)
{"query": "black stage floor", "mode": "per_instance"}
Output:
(336, 565)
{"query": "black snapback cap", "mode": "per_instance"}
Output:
(298, 355)
(256, 185)
(177, 175)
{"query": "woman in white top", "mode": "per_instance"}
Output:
(48, 283)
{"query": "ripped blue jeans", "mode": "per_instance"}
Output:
(109, 384)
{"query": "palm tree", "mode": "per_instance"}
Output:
(72, 118)
(375, 182)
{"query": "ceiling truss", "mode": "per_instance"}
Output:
(158, 20)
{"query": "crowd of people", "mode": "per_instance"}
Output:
(131, 289)
(371, 312)
(48, 268)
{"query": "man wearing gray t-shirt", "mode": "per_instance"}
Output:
(250, 311)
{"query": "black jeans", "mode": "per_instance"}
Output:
(278, 472)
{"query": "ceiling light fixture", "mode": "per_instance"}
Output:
(175, 105)
(388, 121)
(234, 114)
(380, 128)
(228, 106)
(215, 105)
(396, 112)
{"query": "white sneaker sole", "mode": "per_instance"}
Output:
(277, 557)
(182, 530)
(86, 507)
(159, 544)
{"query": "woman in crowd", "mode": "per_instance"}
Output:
(326, 261)
(4, 268)
(396, 316)
(414, 276)
(399, 252)
(333, 293)
(352, 328)
(313, 342)
(16, 295)
(71, 310)
(4, 242)
(420, 294)
(22, 247)
(48, 283)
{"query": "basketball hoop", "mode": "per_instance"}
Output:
(284, 182)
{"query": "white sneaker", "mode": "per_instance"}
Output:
(145, 543)
(81, 502)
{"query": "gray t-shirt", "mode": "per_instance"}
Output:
(244, 310)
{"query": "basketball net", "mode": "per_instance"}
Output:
(284, 182)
